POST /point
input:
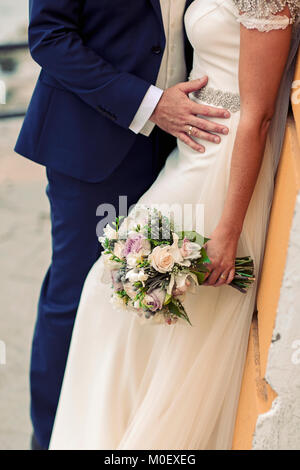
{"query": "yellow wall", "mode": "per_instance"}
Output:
(256, 395)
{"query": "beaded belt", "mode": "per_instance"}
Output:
(226, 99)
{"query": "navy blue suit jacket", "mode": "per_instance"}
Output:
(98, 59)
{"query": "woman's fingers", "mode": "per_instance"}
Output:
(218, 277)
(230, 276)
(222, 278)
(213, 277)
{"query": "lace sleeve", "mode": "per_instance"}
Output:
(263, 14)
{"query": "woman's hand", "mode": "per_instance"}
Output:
(221, 250)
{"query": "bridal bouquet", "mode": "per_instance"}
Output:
(152, 266)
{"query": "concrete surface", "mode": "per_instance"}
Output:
(13, 19)
(24, 235)
(280, 427)
(24, 257)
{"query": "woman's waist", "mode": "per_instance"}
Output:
(219, 92)
(218, 98)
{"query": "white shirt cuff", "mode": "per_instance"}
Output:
(141, 123)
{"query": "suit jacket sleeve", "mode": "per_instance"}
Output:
(56, 45)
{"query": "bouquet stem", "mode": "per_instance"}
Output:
(244, 274)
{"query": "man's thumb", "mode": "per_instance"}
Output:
(194, 85)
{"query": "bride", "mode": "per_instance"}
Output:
(133, 386)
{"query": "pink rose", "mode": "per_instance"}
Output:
(190, 250)
(155, 299)
(137, 244)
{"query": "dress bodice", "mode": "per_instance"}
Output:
(213, 28)
(214, 33)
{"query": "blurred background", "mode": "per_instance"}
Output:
(24, 228)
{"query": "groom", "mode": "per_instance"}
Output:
(102, 125)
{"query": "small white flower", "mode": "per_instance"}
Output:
(184, 282)
(110, 233)
(119, 249)
(140, 215)
(142, 276)
(118, 302)
(171, 284)
(135, 275)
(109, 263)
(133, 259)
(177, 252)
(130, 290)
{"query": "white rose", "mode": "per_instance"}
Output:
(161, 259)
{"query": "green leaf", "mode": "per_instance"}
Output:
(193, 237)
(167, 299)
(138, 284)
(204, 257)
(200, 276)
(177, 311)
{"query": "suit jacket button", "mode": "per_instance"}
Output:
(156, 50)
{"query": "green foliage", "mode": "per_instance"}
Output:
(193, 237)
(200, 276)
(116, 224)
(176, 308)
(167, 299)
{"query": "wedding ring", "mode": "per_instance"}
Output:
(223, 276)
(190, 130)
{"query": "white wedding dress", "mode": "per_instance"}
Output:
(133, 386)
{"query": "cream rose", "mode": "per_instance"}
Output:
(161, 259)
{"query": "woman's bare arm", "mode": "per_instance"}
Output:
(263, 56)
(262, 60)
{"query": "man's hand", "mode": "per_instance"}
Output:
(179, 116)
